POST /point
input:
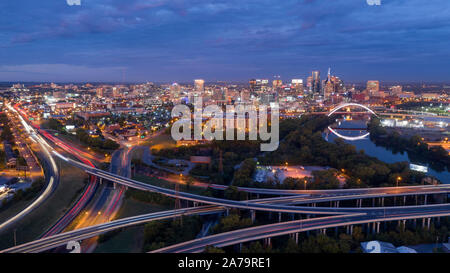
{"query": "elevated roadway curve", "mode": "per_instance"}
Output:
(284, 228)
(211, 200)
(366, 215)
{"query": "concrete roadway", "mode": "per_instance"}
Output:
(51, 174)
(106, 205)
(223, 202)
(366, 215)
(292, 227)
(92, 231)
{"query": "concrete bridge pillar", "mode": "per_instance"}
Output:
(267, 242)
(404, 225)
(417, 202)
(351, 230)
(337, 204)
(373, 202)
(404, 200)
(378, 227)
(359, 203)
(114, 185)
(279, 217)
(429, 223)
(425, 199)
(253, 216)
(296, 238)
(382, 201)
(101, 181)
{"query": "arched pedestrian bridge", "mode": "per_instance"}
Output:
(344, 105)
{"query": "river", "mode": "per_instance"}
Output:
(379, 152)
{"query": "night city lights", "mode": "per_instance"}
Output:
(225, 135)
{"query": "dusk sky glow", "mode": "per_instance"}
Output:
(231, 40)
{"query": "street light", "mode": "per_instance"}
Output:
(305, 184)
(399, 178)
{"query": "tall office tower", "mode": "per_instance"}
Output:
(373, 87)
(252, 84)
(316, 87)
(199, 85)
(309, 84)
(297, 86)
(277, 83)
(258, 85)
(328, 88)
(116, 92)
(396, 90)
(99, 92)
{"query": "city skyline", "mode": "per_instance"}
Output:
(164, 41)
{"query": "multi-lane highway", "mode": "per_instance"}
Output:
(284, 228)
(365, 215)
(342, 216)
(224, 202)
(348, 215)
(51, 174)
(61, 239)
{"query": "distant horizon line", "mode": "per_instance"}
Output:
(206, 82)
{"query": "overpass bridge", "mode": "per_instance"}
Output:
(266, 232)
(348, 216)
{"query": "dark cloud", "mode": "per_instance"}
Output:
(227, 39)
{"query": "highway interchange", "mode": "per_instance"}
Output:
(288, 203)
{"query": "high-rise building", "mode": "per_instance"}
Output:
(297, 85)
(315, 84)
(99, 92)
(277, 83)
(396, 90)
(373, 87)
(116, 92)
(309, 84)
(258, 85)
(332, 85)
(199, 85)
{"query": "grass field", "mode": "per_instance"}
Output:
(38, 221)
(162, 141)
